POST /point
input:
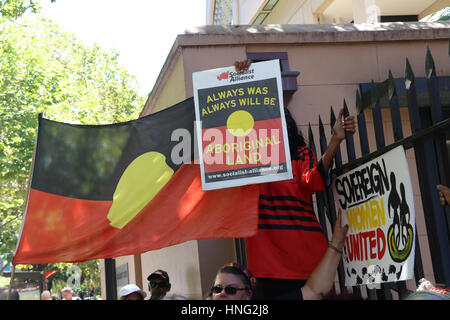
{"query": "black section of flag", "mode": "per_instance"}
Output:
(87, 161)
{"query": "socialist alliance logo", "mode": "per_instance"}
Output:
(234, 76)
(223, 75)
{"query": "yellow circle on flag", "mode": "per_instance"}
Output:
(141, 181)
(240, 123)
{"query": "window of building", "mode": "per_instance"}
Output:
(223, 12)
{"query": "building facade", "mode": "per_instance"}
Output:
(244, 12)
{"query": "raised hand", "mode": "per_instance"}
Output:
(339, 232)
(341, 126)
(444, 194)
(242, 66)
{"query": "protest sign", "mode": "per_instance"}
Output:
(241, 129)
(377, 203)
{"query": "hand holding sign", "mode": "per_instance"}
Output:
(444, 194)
(341, 127)
(242, 66)
(349, 124)
(321, 279)
(339, 233)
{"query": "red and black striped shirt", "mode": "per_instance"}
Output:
(289, 242)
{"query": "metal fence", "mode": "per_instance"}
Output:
(427, 102)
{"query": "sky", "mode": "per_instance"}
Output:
(142, 31)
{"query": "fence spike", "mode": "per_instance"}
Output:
(430, 69)
(332, 118)
(359, 103)
(362, 129)
(349, 137)
(391, 85)
(377, 119)
(337, 156)
(310, 136)
(409, 75)
(321, 128)
(433, 88)
(346, 112)
(413, 105)
(373, 94)
(394, 108)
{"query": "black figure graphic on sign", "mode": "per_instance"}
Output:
(384, 277)
(394, 203)
(392, 269)
(404, 214)
(400, 231)
(364, 271)
(398, 274)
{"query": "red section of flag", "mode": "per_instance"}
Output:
(61, 229)
(264, 146)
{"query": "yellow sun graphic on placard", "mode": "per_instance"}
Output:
(240, 123)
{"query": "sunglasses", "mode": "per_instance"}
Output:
(228, 289)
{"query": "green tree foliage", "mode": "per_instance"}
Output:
(15, 8)
(87, 285)
(44, 69)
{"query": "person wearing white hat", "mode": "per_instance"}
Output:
(131, 292)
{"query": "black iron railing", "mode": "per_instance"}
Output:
(430, 131)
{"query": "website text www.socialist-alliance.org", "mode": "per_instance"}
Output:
(243, 172)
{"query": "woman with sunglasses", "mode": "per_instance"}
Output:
(235, 282)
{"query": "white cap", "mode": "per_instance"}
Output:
(130, 288)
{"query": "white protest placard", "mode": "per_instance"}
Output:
(377, 203)
(241, 130)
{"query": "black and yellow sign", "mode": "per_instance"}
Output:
(241, 126)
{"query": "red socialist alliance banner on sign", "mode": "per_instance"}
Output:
(241, 126)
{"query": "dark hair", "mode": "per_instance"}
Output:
(246, 280)
(295, 136)
(159, 274)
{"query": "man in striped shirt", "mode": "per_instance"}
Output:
(289, 243)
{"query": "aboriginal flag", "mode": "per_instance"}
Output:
(102, 191)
